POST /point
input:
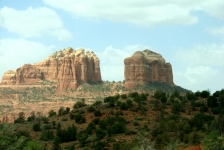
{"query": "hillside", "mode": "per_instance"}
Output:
(44, 96)
(127, 121)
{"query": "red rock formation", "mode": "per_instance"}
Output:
(26, 74)
(8, 77)
(68, 67)
(146, 66)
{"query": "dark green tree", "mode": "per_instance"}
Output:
(36, 127)
(56, 144)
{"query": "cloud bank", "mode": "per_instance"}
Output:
(33, 22)
(204, 68)
(141, 12)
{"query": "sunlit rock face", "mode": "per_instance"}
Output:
(68, 67)
(144, 67)
(26, 74)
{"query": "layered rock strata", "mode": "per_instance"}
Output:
(68, 67)
(146, 66)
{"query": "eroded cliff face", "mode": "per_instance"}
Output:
(144, 67)
(69, 68)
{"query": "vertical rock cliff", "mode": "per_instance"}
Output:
(68, 67)
(146, 66)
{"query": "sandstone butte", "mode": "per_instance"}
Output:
(144, 67)
(68, 67)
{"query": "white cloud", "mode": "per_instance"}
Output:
(206, 55)
(204, 68)
(112, 61)
(217, 31)
(142, 12)
(200, 78)
(214, 7)
(33, 22)
(16, 52)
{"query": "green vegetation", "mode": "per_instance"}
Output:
(135, 120)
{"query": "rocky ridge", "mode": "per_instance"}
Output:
(68, 67)
(144, 67)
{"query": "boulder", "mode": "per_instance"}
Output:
(144, 67)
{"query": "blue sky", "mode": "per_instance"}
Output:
(189, 34)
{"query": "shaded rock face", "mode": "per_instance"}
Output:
(144, 67)
(69, 68)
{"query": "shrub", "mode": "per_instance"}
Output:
(47, 127)
(79, 118)
(116, 146)
(96, 121)
(111, 100)
(124, 96)
(72, 116)
(79, 104)
(163, 99)
(213, 141)
(56, 144)
(215, 110)
(21, 118)
(34, 145)
(97, 113)
(176, 108)
(100, 134)
(197, 94)
(143, 97)
(203, 109)
(194, 138)
(71, 146)
(205, 94)
(66, 135)
(53, 123)
(130, 132)
(64, 119)
(82, 137)
(67, 109)
(63, 111)
(216, 94)
(36, 127)
(97, 103)
(124, 106)
(175, 94)
(45, 119)
(190, 96)
(212, 102)
(90, 109)
(198, 104)
(52, 113)
(135, 123)
(22, 133)
(119, 113)
(46, 135)
(81, 111)
(116, 128)
(32, 117)
(133, 109)
(133, 95)
(129, 102)
(99, 145)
